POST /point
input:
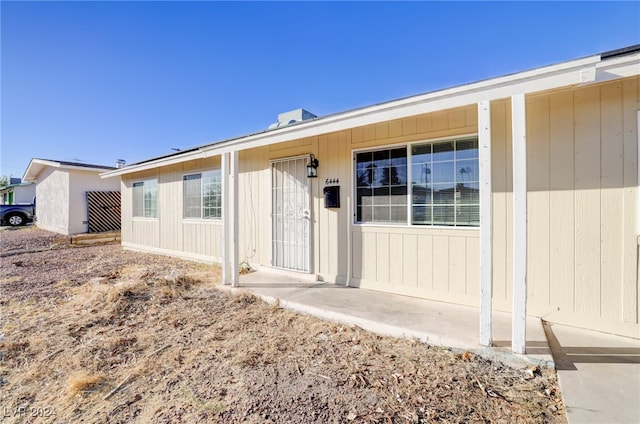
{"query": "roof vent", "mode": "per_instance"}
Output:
(121, 163)
(291, 117)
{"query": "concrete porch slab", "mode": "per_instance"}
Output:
(436, 323)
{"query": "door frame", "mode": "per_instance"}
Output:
(308, 186)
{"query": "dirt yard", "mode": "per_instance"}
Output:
(101, 335)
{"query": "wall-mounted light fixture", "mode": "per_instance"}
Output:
(312, 167)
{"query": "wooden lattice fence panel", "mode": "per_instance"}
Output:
(104, 211)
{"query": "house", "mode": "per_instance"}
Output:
(17, 192)
(517, 193)
(64, 191)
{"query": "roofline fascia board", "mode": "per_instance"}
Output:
(82, 168)
(433, 102)
(36, 165)
(199, 154)
(572, 73)
(618, 67)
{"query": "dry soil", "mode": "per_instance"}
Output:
(101, 335)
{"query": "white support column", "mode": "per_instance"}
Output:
(233, 219)
(638, 184)
(519, 136)
(486, 222)
(226, 272)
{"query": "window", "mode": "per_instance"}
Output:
(202, 195)
(145, 199)
(444, 187)
(381, 187)
(445, 184)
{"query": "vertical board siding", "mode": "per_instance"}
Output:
(582, 152)
(561, 203)
(396, 259)
(145, 232)
(125, 210)
(250, 202)
(412, 258)
(587, 201)
(458, 265)
(630, 292)
(472, 271)
(428, 262)
(611, 200)
(425, 262)
(501, 181)
(401, 260)
(203, 239)
(170, 233)
(170, 212)
(538, 200)
(582, 186)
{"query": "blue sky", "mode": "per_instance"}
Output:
(98, 81)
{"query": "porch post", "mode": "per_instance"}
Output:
(233, 219)
(519, 136)
(230, 266)
(486, 222)
(224, 248)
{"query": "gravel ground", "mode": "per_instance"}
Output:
(25, 238)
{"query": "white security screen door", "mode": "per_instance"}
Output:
(291, 217)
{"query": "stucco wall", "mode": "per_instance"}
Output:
(52, 200)
(79, 183)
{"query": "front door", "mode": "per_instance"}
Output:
(291, 216)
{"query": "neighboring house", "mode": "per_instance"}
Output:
(61, 193)
(517, 193)
(17, 192)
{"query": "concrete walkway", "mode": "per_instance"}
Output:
(599, 373)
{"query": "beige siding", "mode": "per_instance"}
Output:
(170, 233)
(401, 260)
(254, 201)
(582, 184)
(434, 263)
(203, 239)
(502, 181)
(386, 258)
(582, 179)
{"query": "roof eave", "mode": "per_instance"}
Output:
(577, 72)
(36, 166)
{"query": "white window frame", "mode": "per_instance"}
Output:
(201, 217)
(408, 145)
(354, 185)
(144, 210)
